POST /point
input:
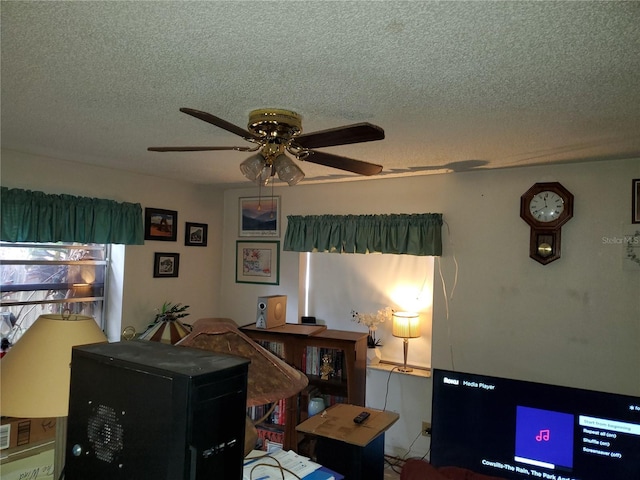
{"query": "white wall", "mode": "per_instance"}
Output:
(199, 274)
(573, 322)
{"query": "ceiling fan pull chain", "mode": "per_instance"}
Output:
(271, 212)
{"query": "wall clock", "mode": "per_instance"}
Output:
(546, 207)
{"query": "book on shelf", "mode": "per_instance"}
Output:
(277, 348)
(312, 359)
(277, 415)
(269, 437)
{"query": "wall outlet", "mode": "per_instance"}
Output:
(426, 429)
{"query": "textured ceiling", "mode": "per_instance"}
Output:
(455, 85)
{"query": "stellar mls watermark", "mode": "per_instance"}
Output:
(632, 239)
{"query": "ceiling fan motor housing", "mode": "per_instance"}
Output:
(275, 123)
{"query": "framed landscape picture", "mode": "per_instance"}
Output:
(259, 217)
(195, 234)
(160, 224)
(166, 265)
(258, 262)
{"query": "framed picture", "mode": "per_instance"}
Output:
(259, 217)
(258, 262)
(635, 200)
(160, 224)
(195, 234)
(166, 265)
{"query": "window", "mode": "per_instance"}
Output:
(367, 284)
(50, 278)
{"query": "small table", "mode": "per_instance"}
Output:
(355, 450)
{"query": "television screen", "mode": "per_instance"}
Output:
(524, 430)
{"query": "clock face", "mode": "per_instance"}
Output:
(546, 206)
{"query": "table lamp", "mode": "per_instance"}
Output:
(406, 325)
(270, 379)
(35, 374)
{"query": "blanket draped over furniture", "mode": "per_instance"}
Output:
(415, 469)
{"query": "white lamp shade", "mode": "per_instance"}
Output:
(253, 166)
(35, 373)
(406, 325)
(287, 170)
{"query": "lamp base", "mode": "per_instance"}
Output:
(404, 367)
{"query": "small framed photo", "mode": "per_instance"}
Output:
(160, 224)
(259, 217)
(166, 265)
(258, 262)
(635, 200)
(195, 234)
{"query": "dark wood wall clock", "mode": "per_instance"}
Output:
(546, 207)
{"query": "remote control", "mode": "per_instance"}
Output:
(361, 417)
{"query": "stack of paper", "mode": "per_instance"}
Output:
(272, 466)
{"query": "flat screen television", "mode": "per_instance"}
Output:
(518, 430)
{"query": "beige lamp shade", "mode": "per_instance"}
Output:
(35, 374)
(406, 325)
(269, 379)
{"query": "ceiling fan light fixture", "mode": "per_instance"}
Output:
(287, 170)
(253, 167)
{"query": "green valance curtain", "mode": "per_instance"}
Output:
(411, 234)
(29, 216)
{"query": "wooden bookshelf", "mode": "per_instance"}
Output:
(293, 343)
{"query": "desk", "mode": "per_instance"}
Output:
(356, 451)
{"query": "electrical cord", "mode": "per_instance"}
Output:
(386, 395)
(278, 466)
(426, 453)
(394, 463)
(409, 449)
(447, 298)
(404, 457)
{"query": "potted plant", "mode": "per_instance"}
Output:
(167, 327)
(170, 311)
(371, 321)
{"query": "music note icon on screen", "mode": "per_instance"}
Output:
(544, 435)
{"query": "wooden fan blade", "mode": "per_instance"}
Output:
(219, 122)
(356, 133)
(197, 149)
(343, 163)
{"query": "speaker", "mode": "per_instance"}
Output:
(272, 311)
(141, 409)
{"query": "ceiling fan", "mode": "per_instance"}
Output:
(274, 132)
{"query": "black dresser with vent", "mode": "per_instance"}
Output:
(148, 410)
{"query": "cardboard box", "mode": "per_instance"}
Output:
(18, 432)
(336, 423)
